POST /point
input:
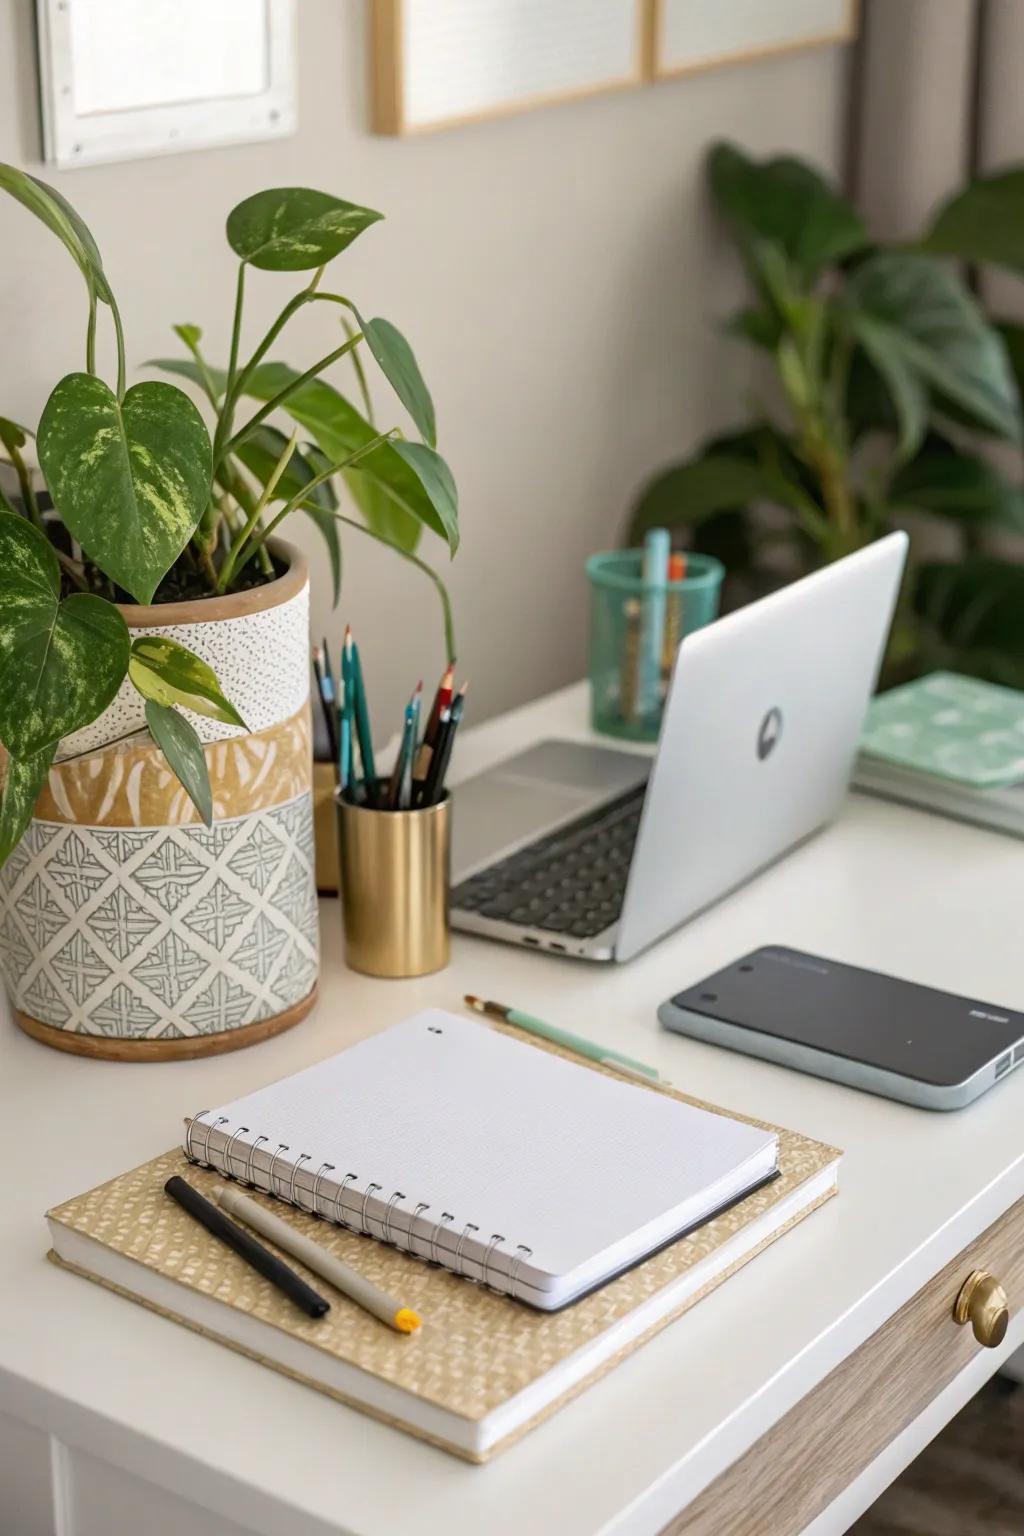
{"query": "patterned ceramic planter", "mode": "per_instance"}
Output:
(127, 928)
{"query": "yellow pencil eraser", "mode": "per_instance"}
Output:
(407, 1321)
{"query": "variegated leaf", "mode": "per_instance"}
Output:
(61, 662)
(294, 229)
(163, 670)
(24, 778)
(130, 481)
(184, 752)
(57, 214)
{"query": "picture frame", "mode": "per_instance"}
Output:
(689, 36)
(438, 63)
(119, 80)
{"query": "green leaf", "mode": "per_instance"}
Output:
(786, 202)
(985, 222)
(967, 489)
(294, 229)
(687, 494)
(11, 435)
(381, 512)
(761, 327)
(921, 313)
(976, 608)
(260, 454)
(323, 517)
(188, 368)
(23, 783)
(61, 662)
(387, 491)
(1012, 336)
(130, 481)
(184, 752)
(163, 670)
(438, 482)
(902, 382)
(399, 367)
(191, 335)
(339, 430)
(61, 219)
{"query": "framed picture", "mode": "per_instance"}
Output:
(119, 78)
(439, 62)
(689, 35)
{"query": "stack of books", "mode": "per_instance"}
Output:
(540, 1216)
(948, 744)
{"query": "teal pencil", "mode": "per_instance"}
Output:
(401, 775)
(363, 723)
(344, 738)
(576, 1043)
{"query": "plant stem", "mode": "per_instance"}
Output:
(205, 376)
(310, 486)
(28, 495)
(285, 394)
(119, 333)
(230, 476)
(442, 591)
(266, 495)
(236, 385)
(73, 569)
(90, 335)
(226, 412)
(360, 372)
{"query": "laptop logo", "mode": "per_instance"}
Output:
(768, 735)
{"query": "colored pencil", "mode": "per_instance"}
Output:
(326, 701)
(362, 714)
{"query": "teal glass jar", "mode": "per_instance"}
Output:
(635, 630)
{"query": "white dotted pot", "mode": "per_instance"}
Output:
(127, 928)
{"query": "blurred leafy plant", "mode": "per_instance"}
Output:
(893, 386)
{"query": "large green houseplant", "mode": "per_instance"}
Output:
(148, 505)
(891, 385)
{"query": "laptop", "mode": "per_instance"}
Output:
(588, 851)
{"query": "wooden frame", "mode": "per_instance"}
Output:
(389, 75)
(659, 71)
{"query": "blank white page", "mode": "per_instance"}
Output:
(500, 1134)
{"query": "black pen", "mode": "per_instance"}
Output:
(245, 1245)
(433, 789)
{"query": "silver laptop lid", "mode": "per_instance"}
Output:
(758, 738)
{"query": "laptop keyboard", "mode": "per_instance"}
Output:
(573, 881)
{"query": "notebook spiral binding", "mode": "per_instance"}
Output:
(284, 1187)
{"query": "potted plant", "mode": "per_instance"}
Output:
(893, 385)
(156, 881)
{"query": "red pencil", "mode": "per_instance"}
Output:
(442, 700)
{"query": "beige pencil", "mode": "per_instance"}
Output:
(346, 1279)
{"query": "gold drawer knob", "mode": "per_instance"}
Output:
(982, 1303)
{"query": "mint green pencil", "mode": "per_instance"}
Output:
(582, 1047)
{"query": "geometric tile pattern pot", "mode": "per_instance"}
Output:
(138, 927)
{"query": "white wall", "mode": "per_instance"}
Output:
(558, 274)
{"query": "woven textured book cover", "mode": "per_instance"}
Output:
(477, 1348)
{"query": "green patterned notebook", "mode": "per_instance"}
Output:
(952, 727)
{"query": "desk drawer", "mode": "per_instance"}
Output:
(789, 1476)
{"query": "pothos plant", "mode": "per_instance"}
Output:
(891, 387)
(149, 505)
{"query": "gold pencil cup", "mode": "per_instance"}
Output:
(395, 872)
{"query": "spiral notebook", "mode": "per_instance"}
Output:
(482, 1154)
(484, 1369)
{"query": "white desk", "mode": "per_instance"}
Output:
(99, 1393)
